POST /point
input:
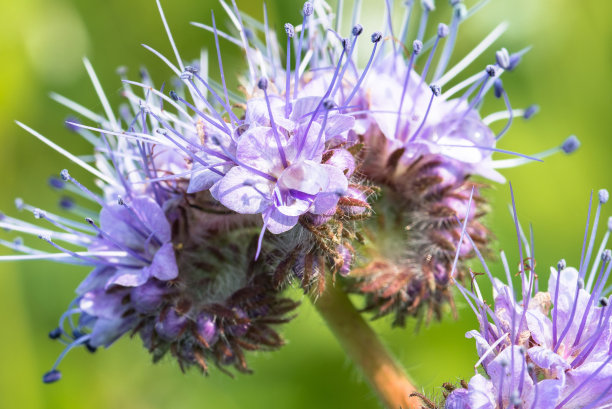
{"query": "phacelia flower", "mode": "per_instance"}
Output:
(423, 144)
(544, 348)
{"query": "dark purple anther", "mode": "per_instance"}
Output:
(52, 376)
(55, 334)
(56, 183)
(376, 36)
(174, 95)
(435, 89)
(357, 30)
(65, 175)
(531, 111)
(498, 87)
(571, 144)
(490, 70)
(262, 83)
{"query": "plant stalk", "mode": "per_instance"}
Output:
(365, 349)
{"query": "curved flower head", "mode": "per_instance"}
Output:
(545, 347)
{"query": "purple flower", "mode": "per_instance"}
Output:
(545, 348)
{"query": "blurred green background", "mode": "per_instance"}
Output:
(41, 45)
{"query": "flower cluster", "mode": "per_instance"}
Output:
(210, 202)
(548, 348)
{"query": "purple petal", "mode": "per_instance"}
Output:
(153, 216)
(547, 359)
(164, 265)
(481, 393)
(105, 332)
(128, 277)
(102, 304)
(338, 124)
(241, 191)
(278, 222)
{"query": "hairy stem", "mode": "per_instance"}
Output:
(366, 350)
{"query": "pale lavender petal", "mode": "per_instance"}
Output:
(242, 191)
(164, 265)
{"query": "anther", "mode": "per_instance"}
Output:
(56, 183)
(376, 36)
(417, 46)
(308, 9)
(490, 70)
(515, 399)
(65, 175)
(442, 30)
(66, 203)
(55, 334)
(357, 30)
(571, 144)
(52, 376)
(39, 213)
(604, 195)
(561, 265)
(346, 45)
(530, 111)
(19, 203)
(580, 283)
(262, 83)
(174, 95)
(606, 256)
(186, 75)
(89, 220)
(498, 88)
(503, 58)
(329, 104)
(191, 69)
(289, 30)
(603, 302)
(435, 89)
(120, 201)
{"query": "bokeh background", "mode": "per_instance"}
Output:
(567, 73)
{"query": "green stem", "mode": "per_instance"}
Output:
(366, 350)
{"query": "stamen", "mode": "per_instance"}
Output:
(442, 33)
(416, 49)
(561, 265)
(54, 375)
(406, 20)
(428, 6)
(290, 33)
(599, 254)
(376, 37)
(306, 11)
(571, 144)
(435, 91)
(606, 260)
(350, 47)
(328, 105)
(499, 91)
(603, 196)
(262, 84)
(459, 12)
